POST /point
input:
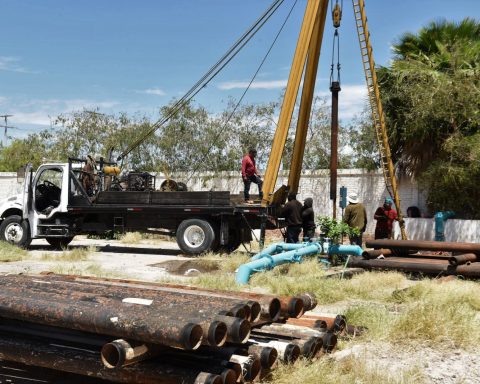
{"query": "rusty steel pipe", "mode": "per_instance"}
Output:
(310, 323)
(120, 353)
(267, 355)
(292, 332)
(270, 305)
(466, 258)
(74, 289)
(425, 245)
(334, 323)
(309, 301)
(84, 362)
(287, 351)
(149, 326)
(428, 268)
(254, 306)
(250, 364)
(213, 327)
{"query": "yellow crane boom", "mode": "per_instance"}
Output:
(305, 62)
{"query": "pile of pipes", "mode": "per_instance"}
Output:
(112, 330)
(426, 257)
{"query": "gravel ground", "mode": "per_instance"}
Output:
(439, 366)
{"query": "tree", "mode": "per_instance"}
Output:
(431, 98)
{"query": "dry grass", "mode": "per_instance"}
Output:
(75, 254)
(391, 306)
(137, 237)
(84, 270)
(348, 371)
(10, 252)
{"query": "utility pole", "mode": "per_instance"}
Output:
(5, 126)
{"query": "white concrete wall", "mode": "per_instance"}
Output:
(465, 231)
(316, 184)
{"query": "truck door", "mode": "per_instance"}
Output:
(27, 192)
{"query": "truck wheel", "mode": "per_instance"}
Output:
(195, 236)
(15, 230)
(59, 242)
(234, 241)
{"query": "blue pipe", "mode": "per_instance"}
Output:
(277, 248)
(290, 253)
(336, 249)
(268, 262)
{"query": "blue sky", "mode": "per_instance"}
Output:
(59, 56)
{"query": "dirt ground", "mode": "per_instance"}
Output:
(153, 260)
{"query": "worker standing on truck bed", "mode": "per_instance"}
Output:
(292, 212)
(250, 174)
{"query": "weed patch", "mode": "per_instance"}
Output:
(10, 252)
(76, 254)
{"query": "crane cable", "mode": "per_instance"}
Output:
(209, 76)
(337, 17)
(232, 113)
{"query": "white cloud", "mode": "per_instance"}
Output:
(40, 111)
(351, 100)
(153, 91)
(10, 63)
(272, 84)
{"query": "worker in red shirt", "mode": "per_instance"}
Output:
(385, 216)
(250, 174)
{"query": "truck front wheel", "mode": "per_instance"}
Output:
(16, 231)
(195, 236)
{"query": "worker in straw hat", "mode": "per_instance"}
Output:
(355, 216)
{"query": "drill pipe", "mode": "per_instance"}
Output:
(255, 306)
(287, 351)
(213, 327)
(334, 323)
(291, 332)
(309, 345)
(74, 289)
(466, 258)
(472, 270)
(120, 353)
(64, 335)
(267, 355)
(84, 362)
(134, 323)
(425, 245)
(319, 325)
(270, 305)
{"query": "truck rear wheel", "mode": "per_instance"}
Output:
(59, 242)
(16, 231)
(195, 236)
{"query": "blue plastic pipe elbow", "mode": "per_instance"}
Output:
(268, 262)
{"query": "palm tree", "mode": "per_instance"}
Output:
(431, 91)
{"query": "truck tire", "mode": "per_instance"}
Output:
(234, 241)
(195, 236)
(16, 231)
(59, 242)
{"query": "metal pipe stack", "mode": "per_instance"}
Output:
(427, 257)
(126, 331)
